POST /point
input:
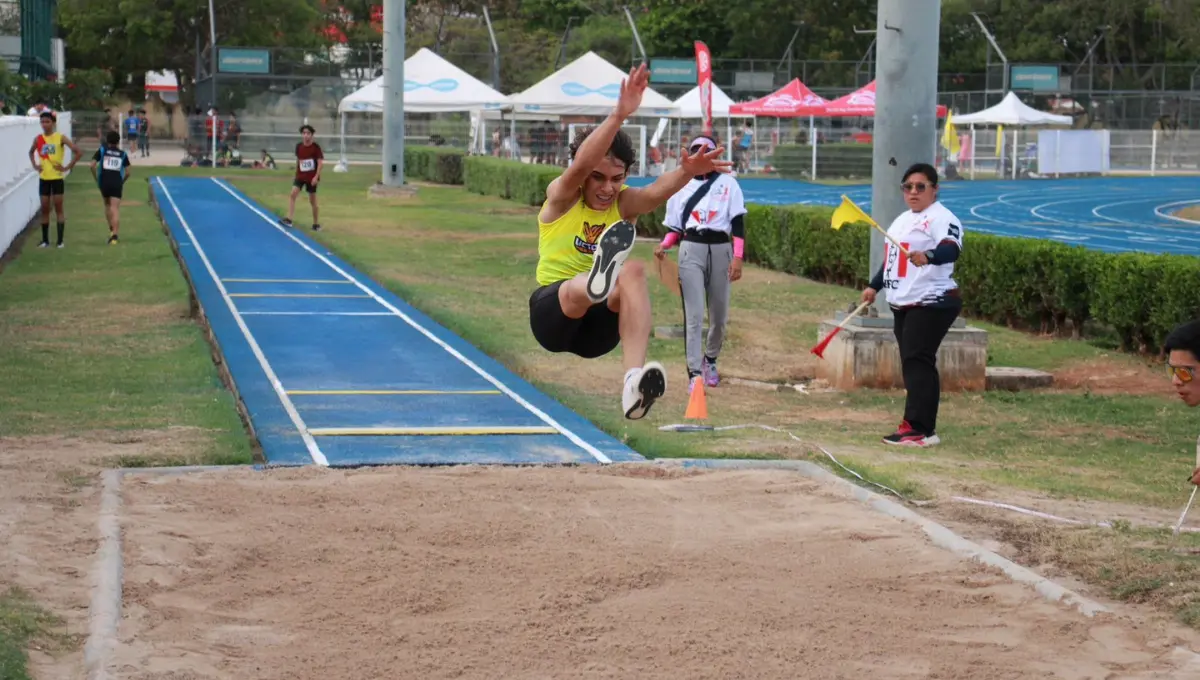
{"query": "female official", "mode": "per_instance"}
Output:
(923, 296)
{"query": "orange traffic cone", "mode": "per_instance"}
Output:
(697, 408)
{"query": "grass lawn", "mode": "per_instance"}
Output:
(1111, 431)
(22, 624)
(97, 341)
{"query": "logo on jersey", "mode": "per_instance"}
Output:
(48, 150)
(703, 218)
(954, 231)
(586, 241)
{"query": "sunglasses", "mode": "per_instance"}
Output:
(919, 186)
(1185, 373)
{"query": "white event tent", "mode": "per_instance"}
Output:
(1010, 111)
(431, 85)
(691, 109)
(588, 86)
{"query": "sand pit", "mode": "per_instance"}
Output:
(565, 573)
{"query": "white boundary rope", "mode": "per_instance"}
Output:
(1177, 527)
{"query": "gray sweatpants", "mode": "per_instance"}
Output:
(704, 277)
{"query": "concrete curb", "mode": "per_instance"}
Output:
(940, 535)
(105, 607)
(104, 613)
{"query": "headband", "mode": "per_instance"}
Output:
(704, 141)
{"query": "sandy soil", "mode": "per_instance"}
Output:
(540, 573)
(49, 497)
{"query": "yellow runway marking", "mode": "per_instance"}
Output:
(425, 431)
(293, 295)
(285, 281)
(388, 392)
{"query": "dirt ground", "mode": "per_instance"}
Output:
(539, 573)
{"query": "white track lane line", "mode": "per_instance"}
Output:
(541, 415)
(310, 443)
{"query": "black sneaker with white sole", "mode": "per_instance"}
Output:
(613, 247)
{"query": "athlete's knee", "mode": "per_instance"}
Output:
(634, 271)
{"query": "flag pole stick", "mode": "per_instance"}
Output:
(903, 250)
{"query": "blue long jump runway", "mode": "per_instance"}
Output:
(335, 370)
(1112, 214)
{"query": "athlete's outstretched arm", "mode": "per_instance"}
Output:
(565, 188)
(640, 201)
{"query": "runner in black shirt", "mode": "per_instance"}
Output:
(111, 175)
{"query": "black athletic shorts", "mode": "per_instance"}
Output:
(307, 186)
(594, 335)
(51, 187)
(111, 189)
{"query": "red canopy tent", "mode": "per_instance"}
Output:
(789, 101)
(860, 102)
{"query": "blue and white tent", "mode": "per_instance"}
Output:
(588, 86)
(431, 85)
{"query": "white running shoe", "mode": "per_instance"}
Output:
(643, 386)
(613, 246)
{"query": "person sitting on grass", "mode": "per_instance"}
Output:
(1183, 361)
(585, 303)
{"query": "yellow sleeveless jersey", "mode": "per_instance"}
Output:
(50, 149)
(566, 245)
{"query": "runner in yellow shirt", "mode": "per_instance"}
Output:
(589, 299)
(47, 155)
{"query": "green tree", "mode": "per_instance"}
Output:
(134, 36)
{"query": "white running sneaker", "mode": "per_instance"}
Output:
(613, 246)
(643, 386)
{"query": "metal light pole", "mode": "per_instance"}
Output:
(212, 41)
(393, 93)
(905, 109)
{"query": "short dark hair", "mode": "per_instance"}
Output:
(620, 149)
(113, 137)
(48, 114)
(1185, 337)
(309, 128)
(925, 169)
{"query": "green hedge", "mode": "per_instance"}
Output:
(434, 164)
(842, 160)
(1023, 283)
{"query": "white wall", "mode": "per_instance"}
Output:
(19, 200)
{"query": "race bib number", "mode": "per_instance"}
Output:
(112, 162)
(308, 165)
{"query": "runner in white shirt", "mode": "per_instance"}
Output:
(923, 296)
(707, 216)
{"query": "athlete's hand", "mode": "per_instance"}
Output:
(918, 258)
(735, 269)
(659, 252)
(1196, 476)
(868, 295)
(702, 162)
(632, 89)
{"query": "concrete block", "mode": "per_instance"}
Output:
(868, 356)
(675, 332)
(1017, 379)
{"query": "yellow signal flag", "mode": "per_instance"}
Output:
(848, 213)
(950, 136)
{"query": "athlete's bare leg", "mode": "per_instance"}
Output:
(292, 203)
(630, 299)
